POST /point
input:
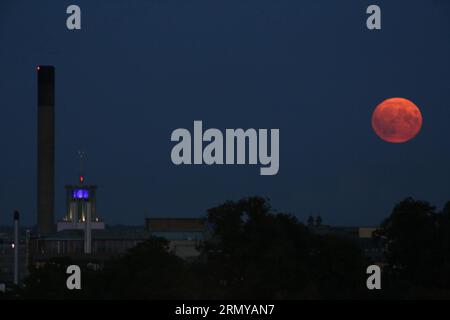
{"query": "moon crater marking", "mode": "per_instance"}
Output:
(396, 120)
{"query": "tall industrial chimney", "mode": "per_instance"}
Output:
(46, 149)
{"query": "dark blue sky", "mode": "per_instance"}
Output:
(140, 69)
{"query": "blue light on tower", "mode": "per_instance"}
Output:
(80, 194)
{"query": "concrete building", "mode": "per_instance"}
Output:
(106, 244)
(184, 237)
(111, 242)
(83, 236)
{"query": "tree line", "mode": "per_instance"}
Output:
(254, 252)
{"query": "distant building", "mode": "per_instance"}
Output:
(362, 236)
(106, 244)
(83, 236)
(114, 241)
(185, 235)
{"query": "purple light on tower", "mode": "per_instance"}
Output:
(80, 194)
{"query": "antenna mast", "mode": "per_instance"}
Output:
(82, 157)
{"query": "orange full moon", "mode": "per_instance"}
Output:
(396, 120)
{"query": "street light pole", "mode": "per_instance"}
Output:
(16, 247)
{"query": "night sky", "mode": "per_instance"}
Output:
(140, 69)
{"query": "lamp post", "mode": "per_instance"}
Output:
(16, 247)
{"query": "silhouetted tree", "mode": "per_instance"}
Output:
(147, 271)
(318, 221)
(255, 253)
(416, 248)
(49, 281)
(337, 268)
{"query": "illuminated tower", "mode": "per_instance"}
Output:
(80, 202)
(81, 206)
